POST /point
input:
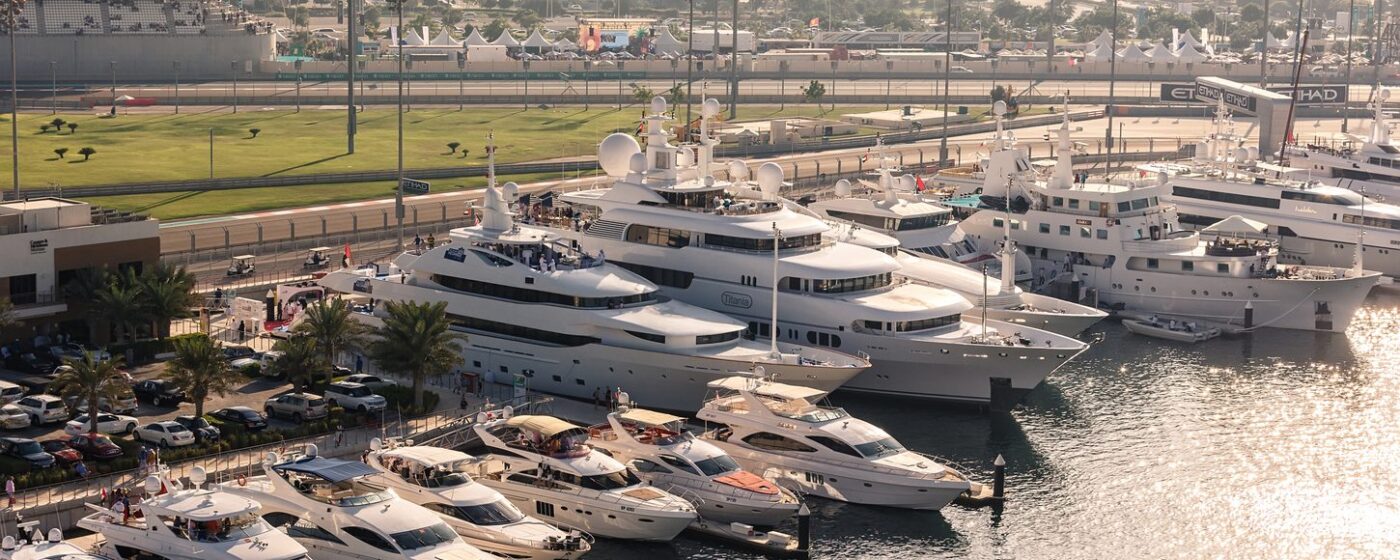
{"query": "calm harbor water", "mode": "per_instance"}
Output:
(1281, 445)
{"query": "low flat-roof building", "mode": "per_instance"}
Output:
(908, 117)
(47, 241)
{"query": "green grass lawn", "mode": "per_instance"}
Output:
(160, 147)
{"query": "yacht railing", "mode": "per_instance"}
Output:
(505, 474)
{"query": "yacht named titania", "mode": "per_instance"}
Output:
(572, 323)
(1121, 241)
(668, 218)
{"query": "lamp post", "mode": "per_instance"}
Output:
(1112, 81)
(233, 66)
(526, 64)
(53, 87)
(408, 61)
(587, 65)
(176, 64)
(461, 74)
(297, 64)
(947, 79)
(10, 24)
(211, 153)
(353, 34)
(734, 62)
(398, 185)
(620, 97)
(689, 72)
(114, 87)
(1346, 102)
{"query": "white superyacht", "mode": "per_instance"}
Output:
(337, 510)
(662, 451)
(1122, 241)
(1317, 224)
(434, 478)
(667, 217)
(786, 432)
(1372, 168)
(543, 465)
(573, 324)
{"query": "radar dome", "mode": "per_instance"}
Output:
(198, 475)
(508, 411)
(843, 188)
(311, 449)
(375, 444)
(1241, 154)
(999, 108)
(152, 484)
(637, 163)
(770, 178)
(615, 151)
(55, 535)
(738, 170)
(1384, 94)
(8, 543)
(711, 107)
(658, 105)
(510, 191)
(908, 183)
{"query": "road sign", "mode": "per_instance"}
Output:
(413, 186)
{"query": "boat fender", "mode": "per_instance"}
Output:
(242, 480)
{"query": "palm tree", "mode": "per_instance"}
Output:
(299, 361)
(90, 380)
(119, 303)
(328, 322)
(7, 314)
(82, 290)
(416, 339)
(166, 295)
(199, 369)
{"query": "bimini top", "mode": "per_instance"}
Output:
(766, 388)
(545, 426)
(648, 417)
(202, 505)
(428, 456)
(333, 470)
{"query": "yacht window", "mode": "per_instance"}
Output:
(925, 324)
(880, 448)
(1372, 221)
(427, 537)
(1188, 266)
(775, 442)
(1064, 230)
(1151, 263)
(491, 259)
(923, 222)
(717, 338)
(659, 236)
(659, 339)
(659, 276)
(835, 445)
(843, 285)
(1095, 206)
(1139, 204)
(499, 512)
(646, 466)
(1102, 233)
(1057, 201)
(539, 335)
(874, 325)
(1228, 198)
(527, 295)
(610, 481)
(1222, 268)
(762, 244)
(1084, 232)
(1044, 228)
(678, 464)
(370, 538)
(998, 222)
(717, 465)
(300, 528)
(1338, 198)
(1074, 203)
(1124, 206)
(444, 480)
(877, 222)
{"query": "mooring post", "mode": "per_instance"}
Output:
(1249, 314)
(999, 478)
(804, 528)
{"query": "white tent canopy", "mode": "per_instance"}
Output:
(444, 39)
(536, 40)
(1102, 52)
(1104, 38)
(1161, 53)
(1133, 54)
(1188, 39)
(506, 40)
(1237, 224)
(565, 45)
(413, 39)
(1190, 54)
(475, 38)
(665, 42)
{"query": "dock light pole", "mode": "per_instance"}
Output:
(734, 62)
(1346, 102)
(233, 66)
(354, 59)
(1112, 81)
(297, 64)
(114, 87)
(526, 64)
(947, 80)
(176, 64)
(10, 24)
(689, 72)
(211, 153)
(461, 75)
(620, 97)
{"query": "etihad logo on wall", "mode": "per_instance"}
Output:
(736, 299)
(1307, 95)
(1232, 99)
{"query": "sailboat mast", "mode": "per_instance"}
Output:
(773, 340)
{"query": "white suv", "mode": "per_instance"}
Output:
(43, 409)
(354, 396)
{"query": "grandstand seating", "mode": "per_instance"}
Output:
(137, 16)
(28, 19)
(72, 17)
(187, 15)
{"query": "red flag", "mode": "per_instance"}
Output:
(919, 183)
(347, 254)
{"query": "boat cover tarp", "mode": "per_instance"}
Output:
(1236, 224)
(334, 470)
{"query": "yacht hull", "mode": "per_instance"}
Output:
(598, 517)
(1073, 320)
(846, 485)
(1311, 243)
(652, 379)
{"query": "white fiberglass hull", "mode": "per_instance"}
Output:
(600, 517)
(847, 485)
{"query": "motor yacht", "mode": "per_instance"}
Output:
(187, 523)
(337, 510)
(711, 243)
(1366, 164)
(570, 323)
(787, 433)
(37, 547)
(544, 465)
(1122, 242)
(920, 231)
(663, 452)
(1316, 223)
(434, 478)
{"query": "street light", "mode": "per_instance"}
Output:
(526, 65)
(398, 185)
(1112, 81)
(353, 35)
(10, 26)
(461, 73)
(233, 67)
(620, 97)
(297, 64)
(53, 85)
(176, 64)
(114, 87)
(947, 80)
(409, 61)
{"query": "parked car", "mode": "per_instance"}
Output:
(106, 423)
(251, 420)
(265, 363)
(10, 392)
(75, 351)
(233, 352)
(125, 403)
(27, 450)
(60, 450)
(203, 430)
(30, 363)
(168, 433)
(354, 396)
(43, 409)
(95, 446)
(297, 406)
(372, 381)
(12, 417)
(158, 392)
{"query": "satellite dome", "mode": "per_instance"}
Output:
(615, 151)
(738, 170)
(55, 535)
(908, 183)
(375, 444)
(311, 449)
(770, 178)
(637, 163)
(152, 484)
(999, 108)
(710, 108)
(510, 191)
(198, 475)
(658, 105)
(843, 188)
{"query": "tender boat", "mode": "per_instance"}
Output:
(662, 451)
(1180, 331)
(785, 433)
(543, 464)
(191, 523)
(337, 510)
(434, 478)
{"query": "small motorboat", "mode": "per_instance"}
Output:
(1171, 329)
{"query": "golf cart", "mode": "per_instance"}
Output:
(242, 266)
(317, 258)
